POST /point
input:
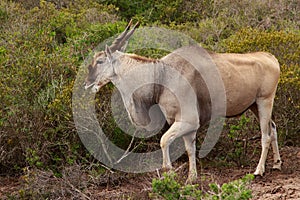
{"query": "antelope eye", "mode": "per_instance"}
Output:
(99, 62)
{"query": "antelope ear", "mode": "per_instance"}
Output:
(108, 52)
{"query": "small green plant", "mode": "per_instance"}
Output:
(33, 158)
(169, 188)
(233, 190)
(236, 132)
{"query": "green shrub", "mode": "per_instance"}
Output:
(236, 189)
(223, 19)
(283, 44)
(166, 11)
(234, 14)
(169, 188)
(238, 134)
(40, 50)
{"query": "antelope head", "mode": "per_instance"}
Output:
(101, 71)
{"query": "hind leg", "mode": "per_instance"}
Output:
(264, 106)
(272, 127)
(276, 155)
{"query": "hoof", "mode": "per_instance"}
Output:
(191, 180)
(167, 165)
(277, 165)
(259, 173)
(167, 168)
(192, 177)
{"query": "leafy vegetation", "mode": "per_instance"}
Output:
(41, 50)
(169, 188)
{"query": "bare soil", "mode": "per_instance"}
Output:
(284, 184)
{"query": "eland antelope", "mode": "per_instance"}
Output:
(250, 81)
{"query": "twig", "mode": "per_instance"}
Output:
(77, 190)
(180, 167)
(248, 139)
(127, 152)
(158, 174)
(100, 137)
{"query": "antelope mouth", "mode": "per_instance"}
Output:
(88, 86)
(94, 87)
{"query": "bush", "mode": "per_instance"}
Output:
(41, 49)
(223, 18)
(235, 14)
(169, 188)
(233, 190)
(165, 11)
(283, 44)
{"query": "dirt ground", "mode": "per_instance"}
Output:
(284, 184)
(275, 185)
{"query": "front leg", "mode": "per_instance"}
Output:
(190, 146)
(178, 129)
